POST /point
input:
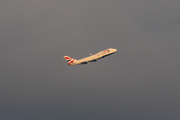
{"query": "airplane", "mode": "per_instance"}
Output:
(91, 58)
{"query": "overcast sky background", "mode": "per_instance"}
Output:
(141, 81)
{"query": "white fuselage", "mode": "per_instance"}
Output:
(95, 57)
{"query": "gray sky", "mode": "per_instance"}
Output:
(139, 82)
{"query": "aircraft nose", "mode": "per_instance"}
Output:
(115, 50)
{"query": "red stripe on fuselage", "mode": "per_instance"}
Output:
(106, 50)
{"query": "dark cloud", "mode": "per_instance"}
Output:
(140, 81)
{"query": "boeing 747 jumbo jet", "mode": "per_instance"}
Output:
(92, 58)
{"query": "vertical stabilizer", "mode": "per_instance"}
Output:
(69, 60)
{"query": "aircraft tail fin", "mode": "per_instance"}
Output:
(69, 60)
